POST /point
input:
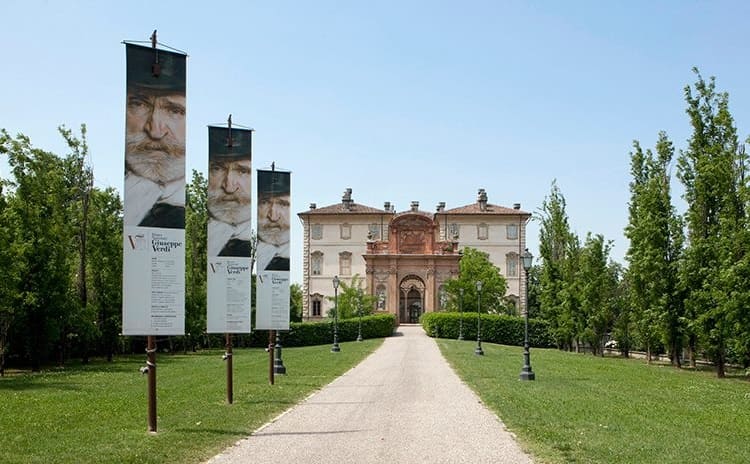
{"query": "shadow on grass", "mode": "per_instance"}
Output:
(30, 383)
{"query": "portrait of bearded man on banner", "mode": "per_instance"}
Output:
(273, 221)
(229, 179)
(155, 139)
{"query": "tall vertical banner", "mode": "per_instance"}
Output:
(272, 284)
(229, 229)
(154, 223)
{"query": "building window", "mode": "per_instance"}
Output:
(511, 231)
(317, 263)
(373, 231)
(316, 305)
(317, 231)
(483, 231)
(345, 263)
(346, 231)
(453, 230)
(511, 265)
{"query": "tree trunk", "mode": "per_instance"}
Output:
(36, 342)
(692, 345)
(674, 355)
(63, 344)
(721, 363)
(720, 368)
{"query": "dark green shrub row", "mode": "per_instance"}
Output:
(321, 333)
(501, 329)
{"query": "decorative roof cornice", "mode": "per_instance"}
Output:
(341, 208)
(490, 209)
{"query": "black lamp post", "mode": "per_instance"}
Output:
(526, 372)
(478, 349)
(278, 363)
(359, 310)
(335, 348)
(460, 313)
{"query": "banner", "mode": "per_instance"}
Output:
(229, 230)
(272, 263)
(154, 194)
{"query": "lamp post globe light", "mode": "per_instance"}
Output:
(478, 350)
(460, 313)
(335, 348)
(526, 372)
(359, 310)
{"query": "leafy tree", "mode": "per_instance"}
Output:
(196, 227)
(623, 327)
(736, 272)
(558, 250)
(656, 240)
(598, 285)
(351, 298)
(10, 273)
(105, 266)
(534, 292)
(295, 303)
(475, 266)
(80, 178)
(40, 206)
(715, 257)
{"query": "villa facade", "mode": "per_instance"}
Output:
(404, 258)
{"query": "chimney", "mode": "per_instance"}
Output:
(516, 205)
(313, 206)
(482, 200)
(415, 206)
(441, 207)
(387, 206)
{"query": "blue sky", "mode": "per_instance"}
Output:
(399, 100)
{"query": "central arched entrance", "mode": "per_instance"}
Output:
(411, 299)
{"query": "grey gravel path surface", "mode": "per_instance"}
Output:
(403, 404)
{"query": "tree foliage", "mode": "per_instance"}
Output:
(558, 250)
(39, 202)
(716, 257)
(105, 267)
(598, 283)
(475, 266)
(196, 264)
(656, 240)
(295, 303)
(352, 299)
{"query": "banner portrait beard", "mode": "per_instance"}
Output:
(232, 208)
(158, 161)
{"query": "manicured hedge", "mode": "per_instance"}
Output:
(501, 329)
(321, 333)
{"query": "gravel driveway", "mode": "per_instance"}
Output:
(402, 404)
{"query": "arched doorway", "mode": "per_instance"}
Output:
(411, 300)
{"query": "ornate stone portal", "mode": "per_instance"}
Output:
(407, 272)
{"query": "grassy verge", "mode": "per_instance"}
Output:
(592, 410)
(98, 413)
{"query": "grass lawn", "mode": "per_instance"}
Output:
(586, 409)
(98, 413)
